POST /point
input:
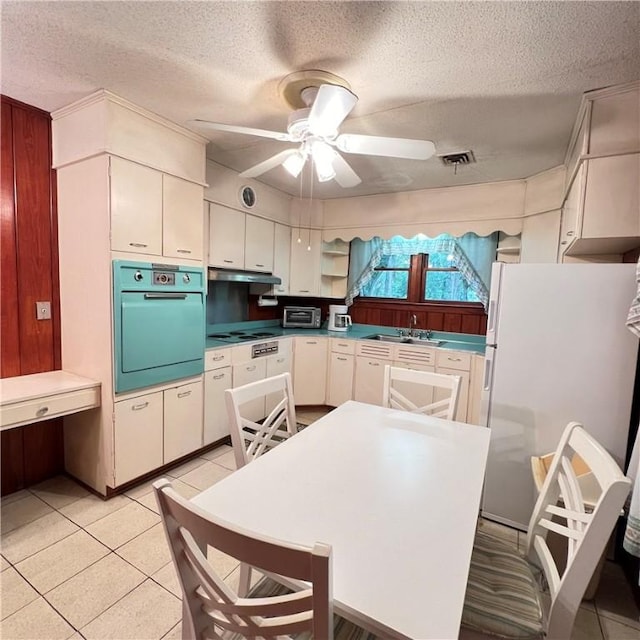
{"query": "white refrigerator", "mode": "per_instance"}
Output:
(557, 350)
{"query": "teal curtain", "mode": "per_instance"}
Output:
(472, 255)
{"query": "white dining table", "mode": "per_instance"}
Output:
(395, 494)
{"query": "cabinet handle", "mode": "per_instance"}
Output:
(311, 342)
(564, 242)
(343, 359)
(259, 265)
(342, 344)
(184, 394)
(183, 250)
(304, 290)
(454, 359)
(251, 368)
(216, 358)
(220, 375)
(40, 412)
(374, 364)
(138, 407)
(137, 244)
(280, 360)
(228, 261)
(570, 233)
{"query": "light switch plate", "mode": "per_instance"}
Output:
(43, 310)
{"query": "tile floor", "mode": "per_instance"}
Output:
(75, 566)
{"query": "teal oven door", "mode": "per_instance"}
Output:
(159, 336)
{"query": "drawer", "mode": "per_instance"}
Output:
(47, 407)
(460, 360)
(416, 355)
(373, 349)
(343, 346)
(216, 358)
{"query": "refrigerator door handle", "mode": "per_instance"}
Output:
(486, 378)
(491, 317)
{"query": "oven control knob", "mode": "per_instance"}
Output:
(137, 276)
(186, 278)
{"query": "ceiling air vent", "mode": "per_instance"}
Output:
(458, 158)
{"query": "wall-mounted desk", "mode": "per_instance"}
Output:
(42, 396)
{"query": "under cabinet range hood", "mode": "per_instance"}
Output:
(250, 277)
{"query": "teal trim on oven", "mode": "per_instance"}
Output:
(159, 323)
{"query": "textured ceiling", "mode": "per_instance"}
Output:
(503, 79)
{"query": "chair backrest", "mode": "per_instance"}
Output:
(560, 508)
(211, 609)
(250, 438)
(425, 388)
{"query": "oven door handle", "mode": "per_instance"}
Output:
(161, 296)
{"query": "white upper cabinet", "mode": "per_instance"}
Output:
(281, 258)
(304, 278)
(182, 220)
(259, 238)
(226, 237)
(136, 208)
(601, 210)
(154, 213)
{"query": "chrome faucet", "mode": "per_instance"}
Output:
(413, 321)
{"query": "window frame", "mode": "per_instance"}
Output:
(416, 285)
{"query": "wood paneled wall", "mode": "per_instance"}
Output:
(459, 318)
(29, 263)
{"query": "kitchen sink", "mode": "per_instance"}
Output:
(404, 340)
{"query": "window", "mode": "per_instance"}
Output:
(422, 269)
(418, 278)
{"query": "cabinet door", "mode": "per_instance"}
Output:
(310, 370)
(136, 208)
(138, 436)
(275, 366)
(304, 273)
(569, 223)
(281, 258)
(340, 387)
(247, 372)
(226, 237)
(369, 380)
(182, 219)
(475, 389)
(216, 422)
(258, 248)
(183, 415)
(463, 396)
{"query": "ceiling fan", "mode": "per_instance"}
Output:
(325, 102)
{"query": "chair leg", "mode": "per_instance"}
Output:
(244, 584)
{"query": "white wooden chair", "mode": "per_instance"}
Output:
(502, 597)
(422, 386)
(250, 438)
(212, 609)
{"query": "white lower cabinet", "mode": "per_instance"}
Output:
(276, 365)
(244, 373)
(369, 380)
(457, 363)
(341, 370)
(310, 370)
(138, 436)
(183, 419)
(216, 422)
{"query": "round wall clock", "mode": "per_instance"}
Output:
(247, 197)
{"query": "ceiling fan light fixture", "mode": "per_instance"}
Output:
(323, 156)
(294, 163)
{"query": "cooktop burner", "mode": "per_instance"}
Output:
(241, 336)
(218, 335)
(261, 334)
(237, 333)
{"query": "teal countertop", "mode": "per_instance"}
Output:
(459, 341)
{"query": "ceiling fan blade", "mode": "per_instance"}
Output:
(332, 105)
(267, 164)
(380, 146)
(345, 175)
(263, 133)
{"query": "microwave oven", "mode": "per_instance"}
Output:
(301, 317)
